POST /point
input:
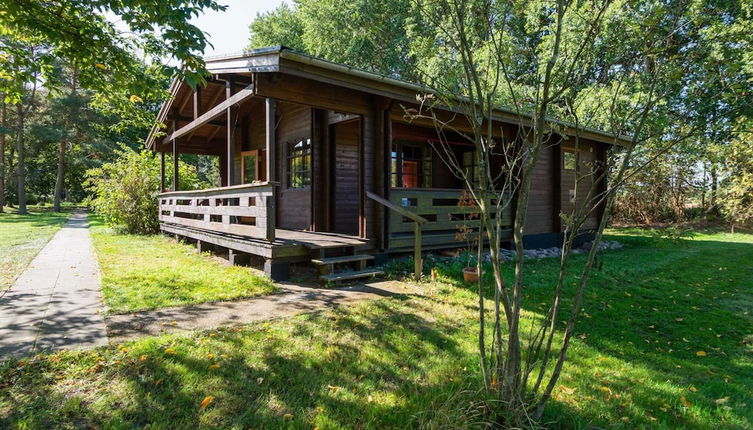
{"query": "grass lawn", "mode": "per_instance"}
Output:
(411, 361)
(149, 272)
(22, 237)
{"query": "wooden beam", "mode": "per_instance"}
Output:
(232, 115)
(175, 165)
(183, 103)
(271, 144)
(213, 113)
(174, 144)
(162, 172)
(197, 102)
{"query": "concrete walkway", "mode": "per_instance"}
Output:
(55, 303)
(293, 300)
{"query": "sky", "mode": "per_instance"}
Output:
(228, 31)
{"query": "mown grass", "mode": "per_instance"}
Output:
(22, 237)
(411, 361)
(150, 272)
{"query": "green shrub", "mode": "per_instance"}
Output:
(125, 191)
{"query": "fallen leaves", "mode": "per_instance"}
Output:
(170, 351)
(214, 366)
(701, 353)
(207, 400)
(685, 402)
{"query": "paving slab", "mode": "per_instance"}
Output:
(56, 302)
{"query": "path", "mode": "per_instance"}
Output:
(55, 303)
(293, 300)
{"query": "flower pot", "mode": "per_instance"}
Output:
(470, 275)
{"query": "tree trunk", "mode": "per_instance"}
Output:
(20, 167)
(714, 186)
(61, 152)
(2, 153)
(61, 176)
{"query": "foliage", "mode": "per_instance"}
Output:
(21, 238)
(150, 272)
(124, 191)
(737, 204)
(669, 235)
(412, 362)
(81, 34)
(464, 232)
(362, 33)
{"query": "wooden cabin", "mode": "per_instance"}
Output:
(318, 164)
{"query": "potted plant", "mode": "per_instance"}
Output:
(467, 234)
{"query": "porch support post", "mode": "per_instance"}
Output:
(197, 101)
(175, 165)
(418, 264)
(271, 146)
(162, 172)
(230, 128)
(277, 270)
(174, 143)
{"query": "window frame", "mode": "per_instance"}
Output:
(424, 163)
(305, 155)
(565, 154)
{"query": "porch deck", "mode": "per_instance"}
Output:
(289, 244)
(242, 218)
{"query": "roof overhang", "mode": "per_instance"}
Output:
(285, 60)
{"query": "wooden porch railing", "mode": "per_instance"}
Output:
(417, 220)
(245, 210)
(439, 207)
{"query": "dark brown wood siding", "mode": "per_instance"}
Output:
(294, 204)
(540, 211)
(586, 156)
(346, 140)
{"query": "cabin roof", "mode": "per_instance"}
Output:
(286, 60)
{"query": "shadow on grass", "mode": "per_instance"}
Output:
(386, 367)
(670, 321)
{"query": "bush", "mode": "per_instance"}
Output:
(125, 191)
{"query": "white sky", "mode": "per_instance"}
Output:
(228, 31)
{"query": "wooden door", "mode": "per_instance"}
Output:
(345, 138)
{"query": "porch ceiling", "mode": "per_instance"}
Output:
(209, 138)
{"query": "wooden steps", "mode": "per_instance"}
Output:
(343, 259)
(345, 267)
(350, 274)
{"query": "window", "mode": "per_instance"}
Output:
(470, 166)
(250, 166)
(411, 166)
(299, 163)
(569, 160)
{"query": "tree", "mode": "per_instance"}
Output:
(366, 34)
(37, 35)
(3, 132)
(737, 188)
(610, 64)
